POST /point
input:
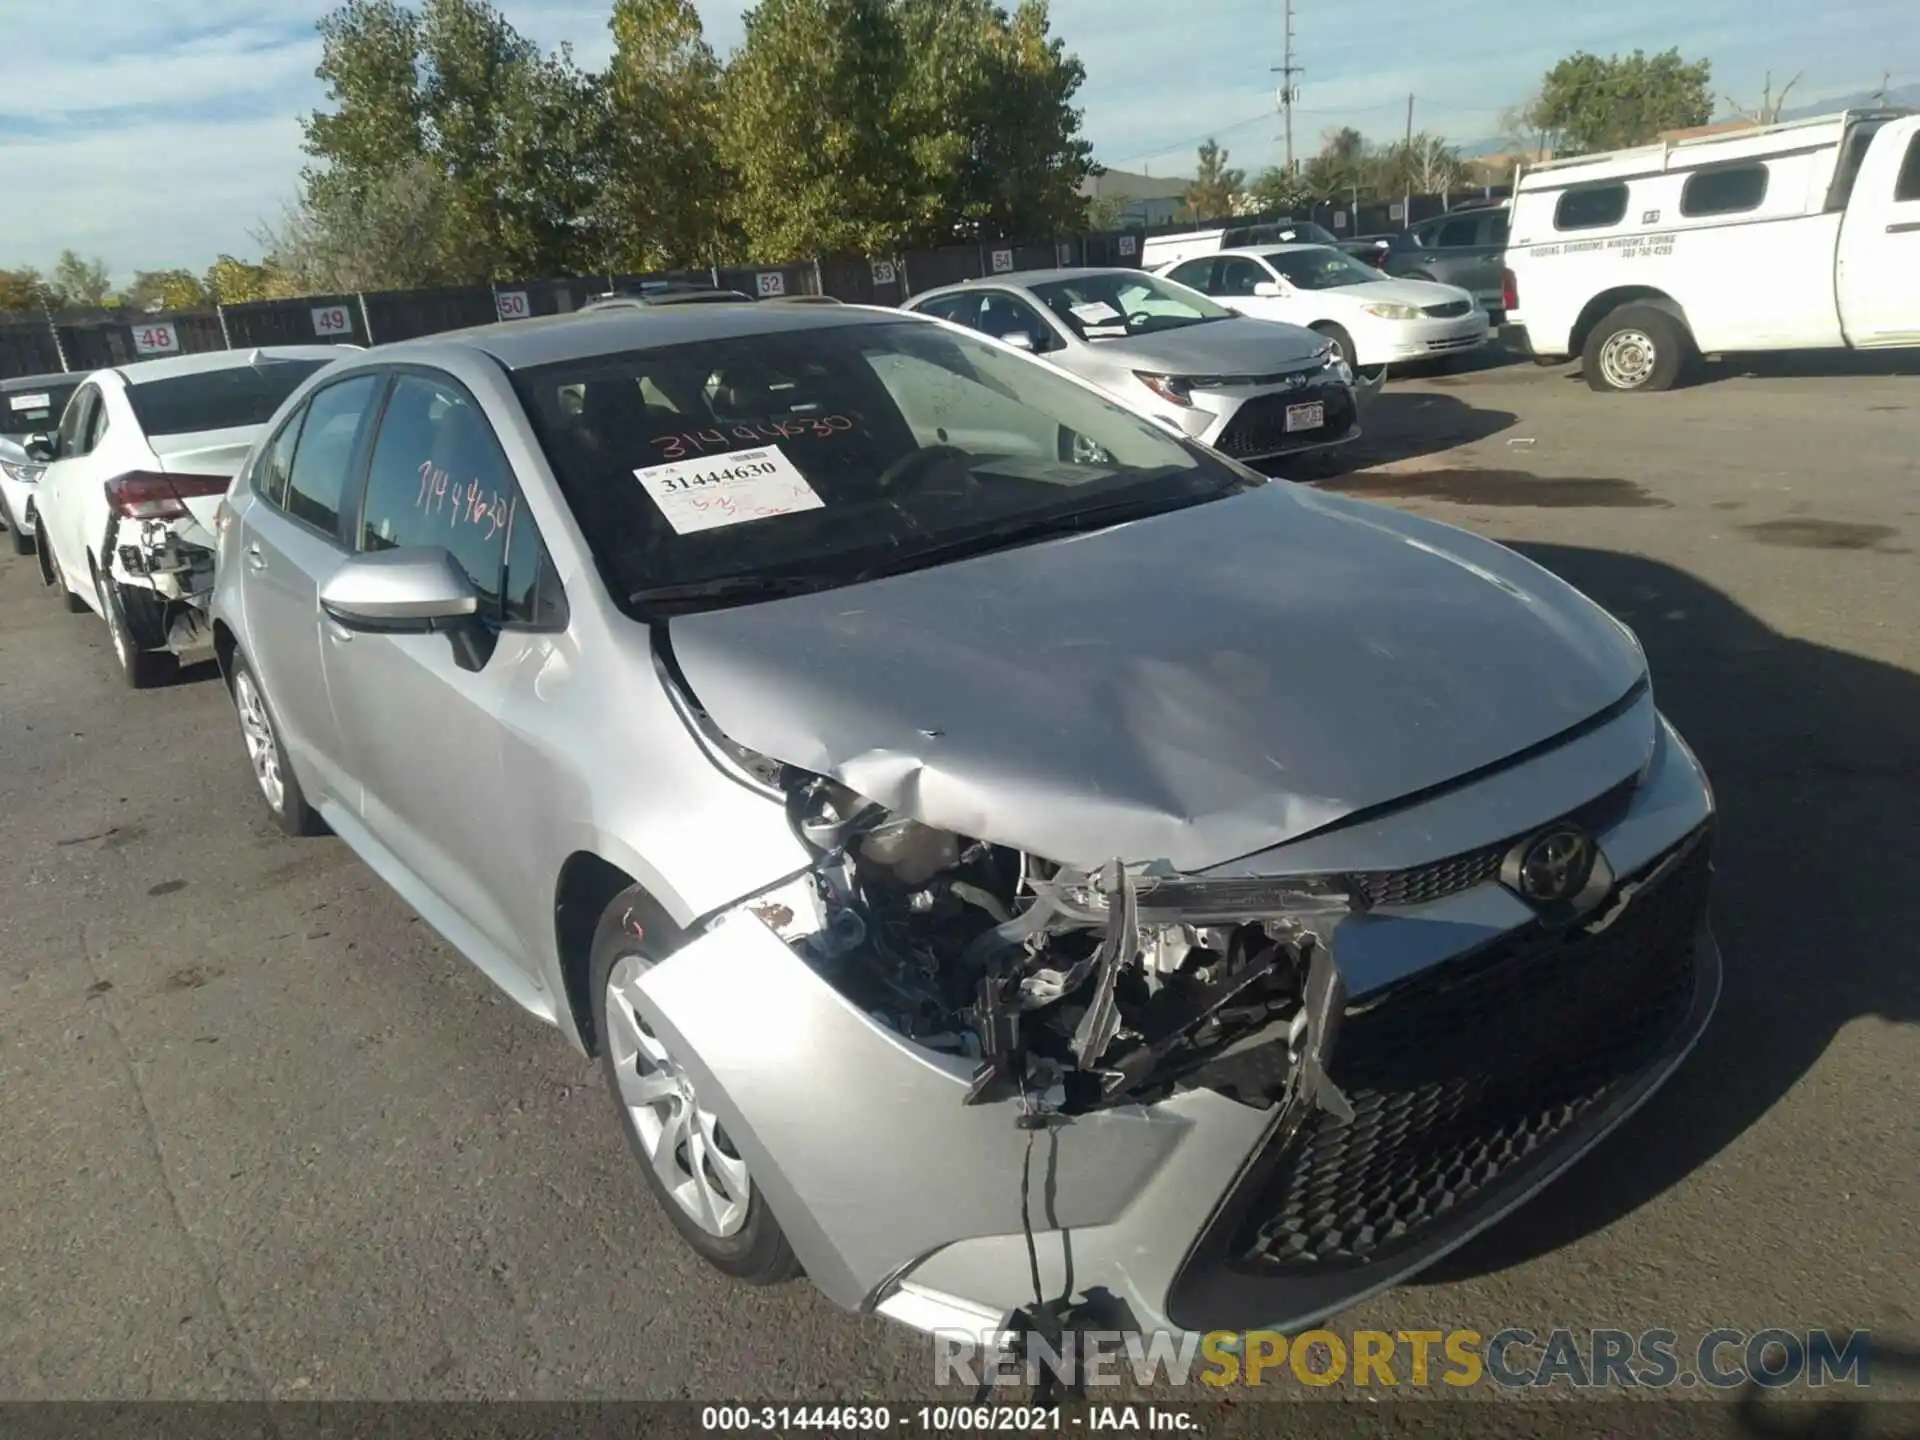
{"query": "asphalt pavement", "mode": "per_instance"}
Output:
(263, 1135)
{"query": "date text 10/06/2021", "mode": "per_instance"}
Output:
(942, 1419)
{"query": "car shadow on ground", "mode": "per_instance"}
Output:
(1813, 755)
(1398, 425)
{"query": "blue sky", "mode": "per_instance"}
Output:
(159, 132)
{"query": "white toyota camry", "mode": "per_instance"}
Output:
(1373, 319)
(133, 476)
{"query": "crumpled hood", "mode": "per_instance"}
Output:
(1189, 688)
(1238, 346)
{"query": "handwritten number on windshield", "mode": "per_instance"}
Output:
(702, 442)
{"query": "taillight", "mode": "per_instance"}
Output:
(1509, 291)
(150, 495)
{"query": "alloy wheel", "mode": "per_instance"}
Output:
(689, 1149)
(262, 750)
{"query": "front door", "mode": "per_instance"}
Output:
(1879, 272)
(289, 544)
(427, 742)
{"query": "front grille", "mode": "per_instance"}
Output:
(1437, 879)
(1259, 427)
(1470, 1071)
(1459, 342)
(1450, 309)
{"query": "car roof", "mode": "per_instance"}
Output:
(140, 372)
(1026, 279)
(41, 382)
(585, 334)
(1259, 250)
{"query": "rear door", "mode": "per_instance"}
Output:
(1879, 264)
(290, 542)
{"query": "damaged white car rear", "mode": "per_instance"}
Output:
(1011, 863)
(124, 507)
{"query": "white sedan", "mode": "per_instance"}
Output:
(133, 477)
(1373, 319)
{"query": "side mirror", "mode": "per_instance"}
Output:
(410, 592)
(43, 447)
(1019, 340)
(1269, 290)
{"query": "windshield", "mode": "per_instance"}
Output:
(217, 399)
(1318, 267)
(1109, 304)
(31, 411)
(809, 458)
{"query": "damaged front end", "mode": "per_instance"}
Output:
(1067, 990)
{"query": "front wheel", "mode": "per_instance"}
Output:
(1343, 350)
(690, 1162)
(1636, 349)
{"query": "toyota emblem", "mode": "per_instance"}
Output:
(1551, 867)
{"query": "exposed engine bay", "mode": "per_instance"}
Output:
(1071, 990)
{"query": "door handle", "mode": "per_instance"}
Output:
(255, 560)
(1901, 227)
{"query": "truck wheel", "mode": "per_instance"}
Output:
(689, 1161)
(1636, 348)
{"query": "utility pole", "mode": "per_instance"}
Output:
(1288, 92)
(1409, 122)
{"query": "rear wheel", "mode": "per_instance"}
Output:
(279, 787)
(1635, 349)
(690, 1162)
(140, 666)
(51, 572)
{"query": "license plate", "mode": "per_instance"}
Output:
(1306, 417)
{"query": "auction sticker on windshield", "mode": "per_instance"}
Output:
(727, 489)
(31, 402)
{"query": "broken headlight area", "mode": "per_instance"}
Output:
(1069, 989)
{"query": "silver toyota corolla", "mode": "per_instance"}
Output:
(1000, 853)
(1253, 389)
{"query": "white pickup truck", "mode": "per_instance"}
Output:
(1797, 236)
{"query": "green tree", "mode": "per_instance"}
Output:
(1594, 103)
(986, 111)
(1342, 169)
(22, 289)
(80, 283)
(234, 282)
(806, 129)
(1276, 192)
(664, 201)
(165, 290)
(389, 232)
(1215, 184)
(370, 61)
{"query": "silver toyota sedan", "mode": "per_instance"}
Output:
(1252, 388)
(1008, 860)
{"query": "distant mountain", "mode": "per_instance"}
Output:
(1863, 100)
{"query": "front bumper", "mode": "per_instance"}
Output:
(18, 496)
(1254, 427)
(1400, 341)
(1276, 1219)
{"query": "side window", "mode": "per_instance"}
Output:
(79, 411)
(531, 593)
(438, 478)
(96, 426)
(1239, 276)
(957, 308)
(1852, 155)
(1002, 315)
(1458, 233)
(1195, 275)
(1590, 207)
(1907, 186)
(1728, 190)
(269, 478)
(317, 481)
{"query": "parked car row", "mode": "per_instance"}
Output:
(923, 776)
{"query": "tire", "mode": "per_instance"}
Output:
(1636, 349)
(279, 787)
(140, 667)
(743, 1241)
(53, 575)
(1343, 347)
